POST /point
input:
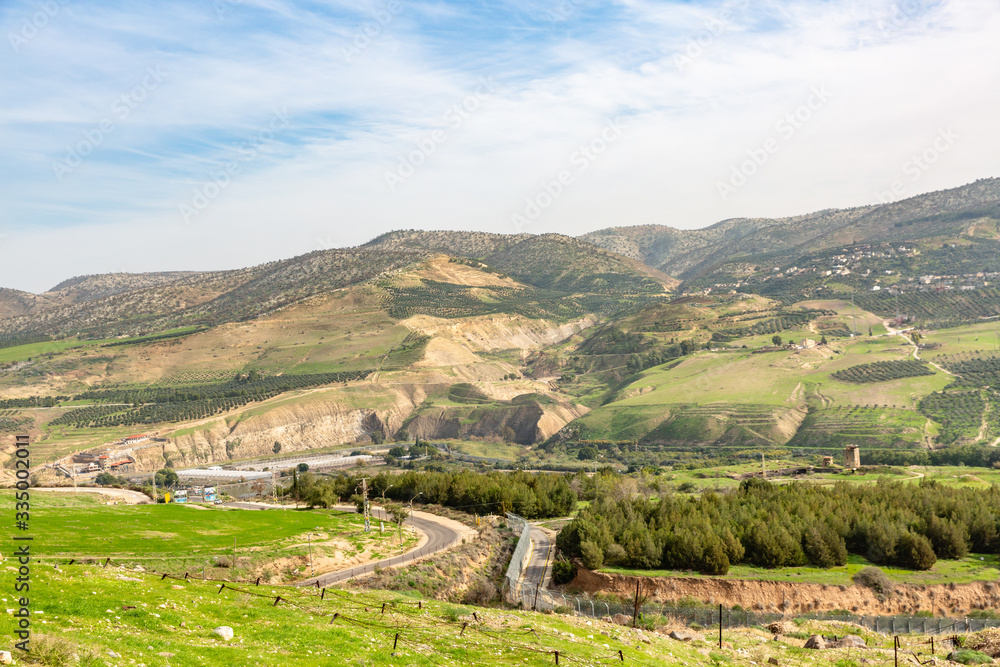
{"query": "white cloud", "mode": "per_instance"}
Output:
(896, 79)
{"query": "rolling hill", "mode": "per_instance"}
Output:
(688, 254)
(793, 335)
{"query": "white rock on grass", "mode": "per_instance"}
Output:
(6, 658)
(224, 631)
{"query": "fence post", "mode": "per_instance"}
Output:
(720, 625)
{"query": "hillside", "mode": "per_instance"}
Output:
(201, 298)
(689, 253)
(543, 342)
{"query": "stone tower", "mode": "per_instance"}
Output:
(852, 457)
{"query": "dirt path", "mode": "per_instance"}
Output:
(916, 348)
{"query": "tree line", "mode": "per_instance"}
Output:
(768, 525)
(532, 496)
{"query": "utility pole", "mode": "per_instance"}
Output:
(367, 509)
(854, 316)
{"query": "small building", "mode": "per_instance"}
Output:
(852, 457)
(132, 439)
(827, 461)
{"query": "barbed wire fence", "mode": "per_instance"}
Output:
(402, 624)
(511, 589)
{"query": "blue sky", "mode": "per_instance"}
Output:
(225, 133)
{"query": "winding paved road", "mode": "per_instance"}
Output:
(538, 564)
(441, 534)
(439, 538)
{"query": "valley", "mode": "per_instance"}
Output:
(423, 366)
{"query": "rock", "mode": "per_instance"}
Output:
(781, 628)
(622, 619)
(166, 654)
(607, 619)
(113, 654)
(683, 636)
(177, 587)
(224, 631)
(849, 641)
(6, 658)
(772, 661)
(183, 624)
(816, 641)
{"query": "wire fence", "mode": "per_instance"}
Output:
(526, 595)
(512, 581)
(408, 625)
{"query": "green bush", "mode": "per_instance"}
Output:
(592, 556)
(915, 552)
(875, 579)
(563, 572)
(969, 657)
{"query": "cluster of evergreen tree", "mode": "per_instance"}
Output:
(532, 496)
(979, 456)
(788, 525)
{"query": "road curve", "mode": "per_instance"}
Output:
(441, 535)
(537, 573)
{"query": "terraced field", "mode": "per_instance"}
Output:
(869, 427)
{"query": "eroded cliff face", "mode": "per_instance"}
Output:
(497, 332)
(298, 426)
(334, 418)
(952, 600)
(526, 424)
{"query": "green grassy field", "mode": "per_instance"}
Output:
(176, 537)
(494, 450)
(751, 391)
(976, 337)
(32, 350)
(974, 567)
(84, 614)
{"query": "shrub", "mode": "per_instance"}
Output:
(875, 579)
(481, 591)
(563, 572)
(915, 552)
(614, 554)
(969, 657)
(591, 555)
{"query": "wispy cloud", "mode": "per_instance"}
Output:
(900, 70)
